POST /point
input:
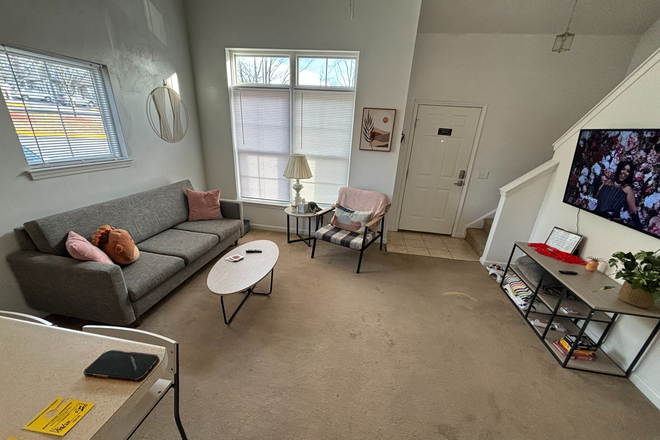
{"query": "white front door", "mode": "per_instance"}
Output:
(441, 149)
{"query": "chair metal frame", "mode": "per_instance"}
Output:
(365, 243)
(170, 380)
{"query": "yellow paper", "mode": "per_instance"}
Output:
(62, 420)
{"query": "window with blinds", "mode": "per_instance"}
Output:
(292, 102)
(263, 141)
(322, 131)
(61, 109)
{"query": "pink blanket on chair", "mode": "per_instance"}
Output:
(363, 200)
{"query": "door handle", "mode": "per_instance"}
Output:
(459, 183)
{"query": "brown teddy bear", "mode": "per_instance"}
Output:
(117, 243)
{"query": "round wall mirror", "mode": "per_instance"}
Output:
(167, 114)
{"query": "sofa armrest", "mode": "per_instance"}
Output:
(232, 209)
(69, 287)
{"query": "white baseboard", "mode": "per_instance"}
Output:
(641, 385)
(486, 262)
(478, 223)
(269, 228)
(460, 235)
(649, 392)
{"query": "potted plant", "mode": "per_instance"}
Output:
(641, 275)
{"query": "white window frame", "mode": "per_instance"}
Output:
(49, 170)
(293, 55)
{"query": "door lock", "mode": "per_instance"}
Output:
(461, 174)
(459, 183)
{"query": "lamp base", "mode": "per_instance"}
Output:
(297, 187)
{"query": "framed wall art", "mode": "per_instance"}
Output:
(377, 128)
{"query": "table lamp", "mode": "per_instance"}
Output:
(297, 168)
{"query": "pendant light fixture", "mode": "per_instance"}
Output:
(563, 41)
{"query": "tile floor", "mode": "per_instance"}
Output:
(432, 245)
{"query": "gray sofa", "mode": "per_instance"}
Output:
(171, 249)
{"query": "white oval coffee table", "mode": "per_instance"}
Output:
(228, 277)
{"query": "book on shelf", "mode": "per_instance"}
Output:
(543, 323)
(585, 342)
(567, 347)
(568, 311)
(578, 357)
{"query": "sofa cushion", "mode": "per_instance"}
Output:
(203, 205)
(81, 249)
(222, 228)
(143, 215)
(148, 271)
(343, 237)
(182, 244)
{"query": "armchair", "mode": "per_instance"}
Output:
(359, 200)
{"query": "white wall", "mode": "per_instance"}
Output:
(383, 31)
(637, 106)
(648, 44)
(113, 33)
(533, 96)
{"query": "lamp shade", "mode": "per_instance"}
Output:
(297, 167)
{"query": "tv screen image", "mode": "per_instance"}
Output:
(616, 174)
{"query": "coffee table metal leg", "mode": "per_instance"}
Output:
(271, 285)
(247, 293)
(224, 314)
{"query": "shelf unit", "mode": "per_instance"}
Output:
(590, 300)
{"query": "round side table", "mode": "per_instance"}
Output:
(309, 216)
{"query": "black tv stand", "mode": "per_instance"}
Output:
(588, 298)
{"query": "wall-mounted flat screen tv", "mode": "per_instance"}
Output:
(616, 174)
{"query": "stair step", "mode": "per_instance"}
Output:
(477, 239)
(488, 223)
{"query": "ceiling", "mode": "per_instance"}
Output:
(600, 17)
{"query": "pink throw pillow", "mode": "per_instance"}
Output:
(81, 249)
(203, 205)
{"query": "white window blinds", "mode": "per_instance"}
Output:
(286, 102)
(262, 136)
(61, 109)
(323, 127)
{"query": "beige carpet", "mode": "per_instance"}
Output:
(412, 348)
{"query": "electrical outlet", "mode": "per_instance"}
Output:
(483, 174)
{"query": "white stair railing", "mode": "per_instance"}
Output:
(520, 203)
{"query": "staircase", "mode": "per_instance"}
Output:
(477, 237)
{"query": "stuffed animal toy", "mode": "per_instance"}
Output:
(117, 243)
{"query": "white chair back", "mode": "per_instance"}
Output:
(24, 317)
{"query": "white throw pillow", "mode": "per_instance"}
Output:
(350, 220)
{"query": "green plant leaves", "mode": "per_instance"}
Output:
(641, 270)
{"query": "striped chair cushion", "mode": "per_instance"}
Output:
(342, 237)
